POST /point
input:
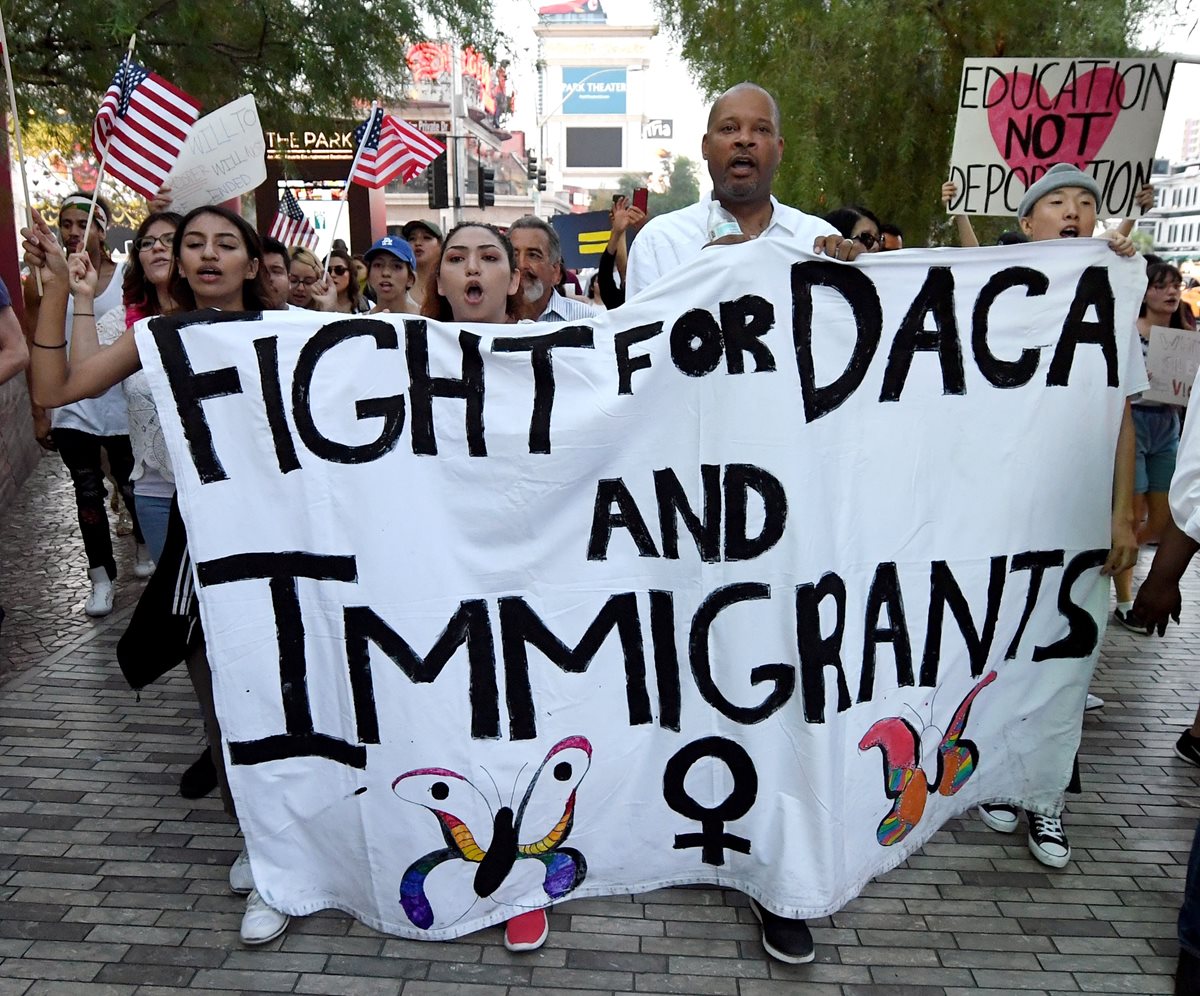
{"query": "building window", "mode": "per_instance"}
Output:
(594, 148)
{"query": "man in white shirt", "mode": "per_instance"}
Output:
(743, 148)
(539, 258)
(1157, 602)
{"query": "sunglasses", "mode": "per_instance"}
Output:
(339, 271)
(148, 242)
(867, 239)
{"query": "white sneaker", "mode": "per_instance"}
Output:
(100, 601)
(241, 878)
(261, 923)
(143, 566)
(1093, 702)
(999, 816)
(1048, 841)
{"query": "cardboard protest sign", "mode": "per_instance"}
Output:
(1018, 117)
(751, 581)
(223, 157)
(1171, 363)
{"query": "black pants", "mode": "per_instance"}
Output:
(80, 451)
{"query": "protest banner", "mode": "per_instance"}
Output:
(753, 581)
(1018, 117)
(224, 157)
(1171, 363)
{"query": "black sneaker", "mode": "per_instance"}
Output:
(1047, 840)
(200, 778)
(1131, 622)
(1188, 747)
(785, 940)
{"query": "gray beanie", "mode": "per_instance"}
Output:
(1055, 178)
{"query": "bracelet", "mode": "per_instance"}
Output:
(42, 345)
(83, 314)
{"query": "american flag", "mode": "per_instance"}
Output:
(291, 227)
(393, 148)
(144, 121)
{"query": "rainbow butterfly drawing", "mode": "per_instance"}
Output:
(485, 846)
(905, 781)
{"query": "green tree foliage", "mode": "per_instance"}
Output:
(294, 56)
(681, 191)
(868, 88)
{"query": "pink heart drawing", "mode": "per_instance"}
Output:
(1032, 131)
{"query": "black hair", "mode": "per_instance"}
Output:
(1158, 274)
(273, 247)
(254, 290)
(890, 229)
(1013, 238)
(436, 305)
(137, 293)
(848, 215)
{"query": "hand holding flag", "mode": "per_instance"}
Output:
(141, 126)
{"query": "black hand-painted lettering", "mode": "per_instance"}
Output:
(540, 348)
(521, 627)
(739, 480)
(1093, 291)
(627, 365)
(470, 626)
(1004, 373)
(1082, 633)
(818, 652)
(605, 519)
(743, 324)
(267, 351)
(696, 343)
(945, 591)
(885, 593)
(1037, 562)
(673, 504)
(936, 299)
(781, 676)
(860, 294)
(423, 388)
(282, 570)
(666, 658)
(390, 409)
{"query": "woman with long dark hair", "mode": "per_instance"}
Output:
(1157, 428)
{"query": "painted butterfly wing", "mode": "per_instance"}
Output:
(547, 810)
(957, 756)
(459, 807)
(903, 780)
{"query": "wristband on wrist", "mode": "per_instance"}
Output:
(42, 345)
(83, 314)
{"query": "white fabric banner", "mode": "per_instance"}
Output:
(754, 581)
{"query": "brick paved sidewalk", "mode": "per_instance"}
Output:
(112, 883)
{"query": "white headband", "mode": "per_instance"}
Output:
(85, 204)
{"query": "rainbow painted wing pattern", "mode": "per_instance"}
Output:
(904, 781)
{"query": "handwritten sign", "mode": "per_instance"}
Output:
(1018, 117)
(223, 157)
(1171, 363)
(750, 581)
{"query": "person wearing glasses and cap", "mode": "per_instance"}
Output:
(425, 238)
(391, 274)
(83, 429)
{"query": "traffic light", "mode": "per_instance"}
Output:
(487, 185)
(541, 179)
(439, 184)
(531, 169)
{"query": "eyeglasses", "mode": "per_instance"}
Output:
(148, 242)
(867, 239)
(296, 281)
(339, 271)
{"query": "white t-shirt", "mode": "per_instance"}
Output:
(152, 476)
(105, 415)
(670, 240)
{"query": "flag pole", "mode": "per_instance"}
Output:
(337, 218)
(12, 105)
(104, 155)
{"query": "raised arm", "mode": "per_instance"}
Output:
(53, 380)
(1144, 200)
(14, 354)
(966, 233)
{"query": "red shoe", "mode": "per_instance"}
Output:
(527, 932)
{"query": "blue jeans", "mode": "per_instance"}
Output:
(152, 516)
(1189, 912)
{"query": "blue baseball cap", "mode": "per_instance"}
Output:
(397, 246)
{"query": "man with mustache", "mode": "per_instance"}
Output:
(539, 260)
(743, 148)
